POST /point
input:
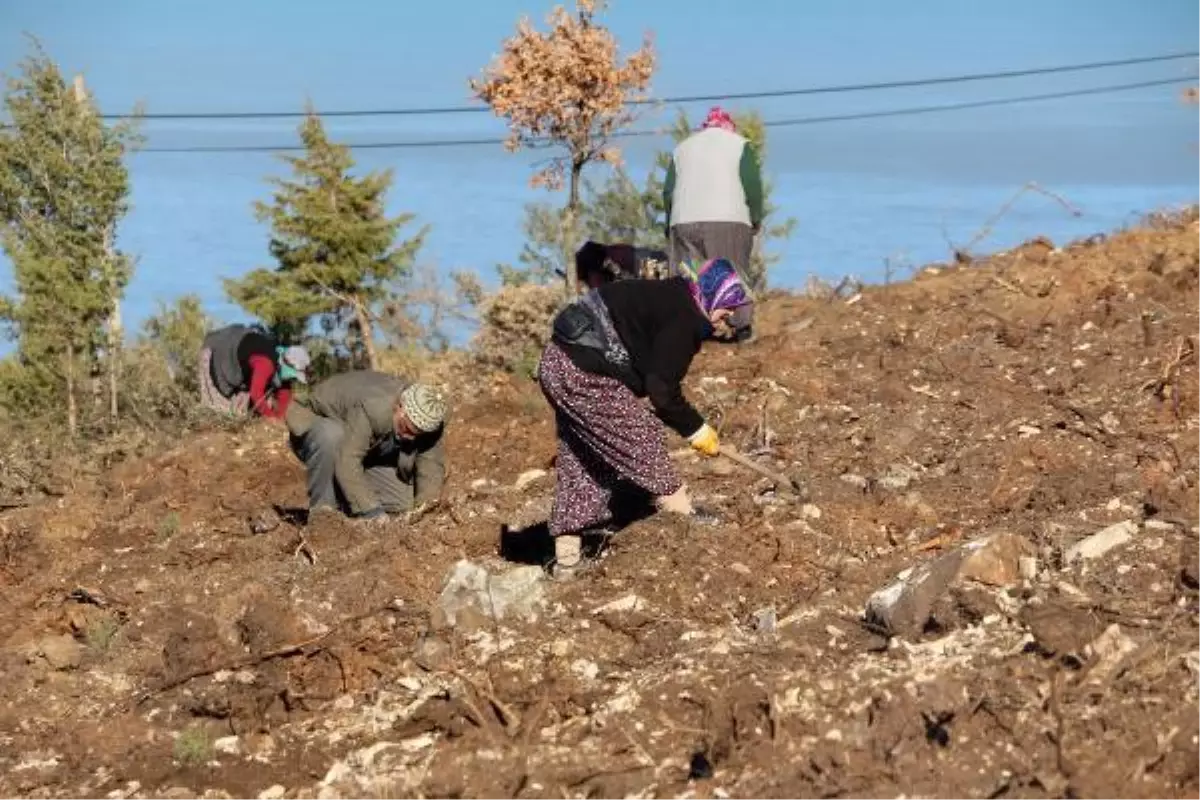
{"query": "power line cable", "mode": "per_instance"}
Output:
(694, 98)
(780, 123)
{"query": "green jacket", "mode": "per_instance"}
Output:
(363, 401)
(714, 176)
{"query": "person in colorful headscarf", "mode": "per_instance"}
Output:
(245, 370)
(713, 195)
(623, 341)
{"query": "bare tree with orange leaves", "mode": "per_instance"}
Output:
(566, 88)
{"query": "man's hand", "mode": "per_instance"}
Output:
(705, 440)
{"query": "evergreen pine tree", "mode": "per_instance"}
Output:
(334, 245)
(63, 189)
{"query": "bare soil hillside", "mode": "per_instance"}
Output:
(174, 628)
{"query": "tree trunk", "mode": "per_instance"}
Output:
(365, 330)
(569, 217)
(114, 360)
(72, 408)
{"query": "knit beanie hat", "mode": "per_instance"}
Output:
(423, 406)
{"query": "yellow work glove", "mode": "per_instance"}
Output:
(705, 440)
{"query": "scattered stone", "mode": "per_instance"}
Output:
(766, 621)
(1101, 542)
(739, 568)
(265, 522)
(178, 793)
(1109, 422)
(1159, 525)
(1028, 567)
(904, 606)
(471, 596)
(994, 560)
(1110, 649)
(898, 477)
(528, 477)
(431, 654)
(275, 792)
(62, 652)
(810, 511)
(630, 602)
(854, 480)
(229, 745)
(587, 670)
(1025, 431)
(1061, 629)
(131, 788)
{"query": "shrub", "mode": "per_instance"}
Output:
(515, 326)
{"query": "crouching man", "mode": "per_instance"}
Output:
(371, 443)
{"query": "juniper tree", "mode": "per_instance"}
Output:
(63, 189)
(334, 244)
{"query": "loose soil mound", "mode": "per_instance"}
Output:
(174, 628)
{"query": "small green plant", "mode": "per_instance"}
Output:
(168, 527)
(100, 634)
(192, 747)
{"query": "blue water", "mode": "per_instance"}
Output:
(860, 193)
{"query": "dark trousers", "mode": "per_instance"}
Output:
(701, 241)
(319, 448)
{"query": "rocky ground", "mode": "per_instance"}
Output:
(987, 586)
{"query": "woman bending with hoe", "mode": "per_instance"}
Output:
(619, 342)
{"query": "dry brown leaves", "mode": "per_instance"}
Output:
(566, 87)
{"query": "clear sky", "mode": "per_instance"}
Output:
(861, 191)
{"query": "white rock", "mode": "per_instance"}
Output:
(1159, 525)
(811, 511)
(1110, 650)
(588, 670)
(1028, 567)
(528, 477)
(1101, 542)
(630, 602)
(229, 745)
(853, 480)
(410, 683)
(275, 792)
(1025, 431)
(470, 591)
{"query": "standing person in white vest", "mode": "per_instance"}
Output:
(714, 196)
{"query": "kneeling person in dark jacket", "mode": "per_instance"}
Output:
(372, 444)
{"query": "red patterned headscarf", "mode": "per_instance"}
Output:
(718, 118)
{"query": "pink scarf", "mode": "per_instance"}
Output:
(718, 118)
